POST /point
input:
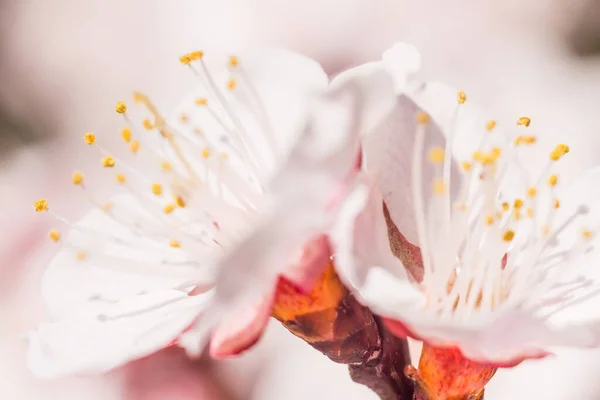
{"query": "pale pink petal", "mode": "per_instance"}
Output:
(310, 263)
(267, 108)
(106, 335)
(360, 238)
(116, 262)
(388, 159)
(241, 328)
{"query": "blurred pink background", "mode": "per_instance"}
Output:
(64, 64)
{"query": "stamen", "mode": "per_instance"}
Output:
(54, 235)
(508, 236)
(121, 107)
(169, 208)
(523, 121)
(77, 178)
(89, 138)
(157, 189)
(134, 146)
(108, 161)
(126, 134)
(121, 178)
(233, 62)
(553, 180)
(41, 205)
(166, 166)
(490, 125)
(174, 243)
(436, 155)
(147, 124)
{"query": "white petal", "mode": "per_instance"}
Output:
(265, 112)
(303, 198)
(113, 270)
(361, 241)
(579, 204)
(105, 336)
(402, 60)
(389, 157)
(374, 85)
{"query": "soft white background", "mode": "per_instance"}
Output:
(78, 58)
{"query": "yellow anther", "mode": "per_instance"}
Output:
(438, 186)
(54, 235)
(518, 204)
(587, 234)
(465, 165)
(166, 166)
(508, 236)
(205, 153)
(77, 178)
(531, 192)
(559, 151)
(517, 215)
(231, 84)
(198, 131)
(436, 155)
(168, 209)
(185, 59)
(121, 107)
(201, 101)
(174, 243)
(81, 255)
(224, 156)
(147, 124)
(490, 125)
(126, 134)
(196, 55)
(484, 159)
(530, 212)
(121, 178)
(134, 146)
(546, 230)
(422, 118)
(524, 121)
(556, 203)
(89, 138)
(41, 205)
(157, 189)
(496, 153)
(184, 118)
(108, 161)
(233, 62)
(553, 180)
(180, 201)
(106, 207)
(138, 97)
(489, 219)
(525, 140)
(461, 97)
(505, 206)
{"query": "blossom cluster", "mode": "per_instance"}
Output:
(268, 171)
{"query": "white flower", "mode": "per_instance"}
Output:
(508, 262)
(238, 188)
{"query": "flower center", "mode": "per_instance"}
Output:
(486, 244)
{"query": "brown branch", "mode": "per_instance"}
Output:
(332, 321)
